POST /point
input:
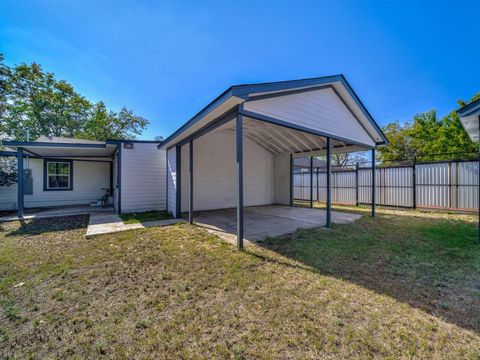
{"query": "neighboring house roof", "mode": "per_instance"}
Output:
(305, 163)
(469, 117)
(238, 94)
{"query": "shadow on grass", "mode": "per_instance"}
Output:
(431, 264)
(41, 226)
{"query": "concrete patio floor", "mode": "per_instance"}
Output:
(57, 212)
(268, 220)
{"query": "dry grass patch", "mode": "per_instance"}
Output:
(179, 292)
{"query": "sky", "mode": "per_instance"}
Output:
(166, 60)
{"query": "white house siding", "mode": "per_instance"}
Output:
(143, 178)
(320, 110)
(215, 172)
(88, 180)
(282, 179)
(171, 180)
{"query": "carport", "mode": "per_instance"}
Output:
(237, 153)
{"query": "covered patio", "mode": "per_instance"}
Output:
(62, 175)
(237, 153)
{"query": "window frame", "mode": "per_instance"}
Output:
(45, 174)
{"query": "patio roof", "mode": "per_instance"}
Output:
(63, 147)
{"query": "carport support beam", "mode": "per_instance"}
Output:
(329, 183)
(478, 182)
(291, 180)
(373, 182)
(311, 182)
(20, 182)
(190, 182)
(239, 149)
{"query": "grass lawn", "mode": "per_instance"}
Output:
(135, 218)
(403, 285)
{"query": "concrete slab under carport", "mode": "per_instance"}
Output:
(269, 220)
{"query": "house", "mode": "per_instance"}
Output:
(236, 152)
(64, 171)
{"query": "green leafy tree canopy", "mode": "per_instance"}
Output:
(428, 137)
(33, 99)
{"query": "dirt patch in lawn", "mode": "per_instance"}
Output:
(179, 292)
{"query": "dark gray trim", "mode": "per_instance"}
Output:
(356, 184)
(287, 92)
(414, 181)
(363, 108)
(291, 179)
(311, 182)
(166, 181)
(190, 182)
(239, 155)
(221, 120)
(20, 203)
(8, 153)
(207, 109)
(373, 182)
(47, 144)
(329, 183)
(288, 125)
(110, 172)
(178, 180)
(469, 109)
(119, 179)
(45, 174)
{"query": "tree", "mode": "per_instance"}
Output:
(8, 171)
(345, 159)
(33, 99)
(429, 137)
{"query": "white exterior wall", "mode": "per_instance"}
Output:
(282, 179)
(214, 172)
(88, 180)
(320, 110)
(171, 180)
(143, 178)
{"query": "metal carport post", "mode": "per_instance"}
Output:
(239, 151)
(20, 182)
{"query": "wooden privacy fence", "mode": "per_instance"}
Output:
(451, 185)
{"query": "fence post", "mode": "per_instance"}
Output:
(318, 192)
(414, 180)
(356, 184)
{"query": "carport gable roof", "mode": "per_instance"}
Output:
(469, 117)
(235, 96)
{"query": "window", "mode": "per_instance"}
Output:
(57, 175)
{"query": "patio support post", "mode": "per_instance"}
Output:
(414, 180)
(329, 183)
(178, 178)
(190, 178)
(119, 178)
(311, 182)
(291, 180)
(373, 182)
(239, 150)
(478, 182)
(356, 184)
(20, 182)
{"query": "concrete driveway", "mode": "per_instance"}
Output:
(268, 220)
